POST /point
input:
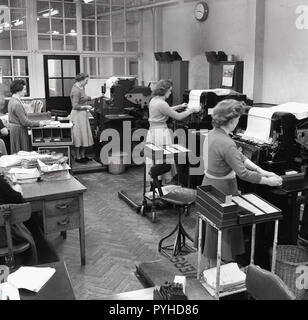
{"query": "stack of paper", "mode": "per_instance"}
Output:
(21, 175)
(230, 276)
(30, 278)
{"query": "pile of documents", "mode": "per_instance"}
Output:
(29, 278)
(22, 175)
(57, 171)
(231, 277)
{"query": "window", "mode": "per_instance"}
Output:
(13, 67)
(57, 25)
(13, 30)
(109, 29)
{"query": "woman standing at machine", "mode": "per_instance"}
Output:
(159, 113)
(223, 161)
(79, 116)
(18, 120)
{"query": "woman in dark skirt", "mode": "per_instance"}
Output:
(223, 161)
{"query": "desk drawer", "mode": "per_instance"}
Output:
(62, 207)
(61, 223)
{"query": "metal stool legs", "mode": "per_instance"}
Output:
(180, 240)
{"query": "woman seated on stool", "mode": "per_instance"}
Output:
(223, 161)
(12, 194)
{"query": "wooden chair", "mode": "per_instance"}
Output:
(265, 285)
(11, 214)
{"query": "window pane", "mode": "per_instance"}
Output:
(103, 28)
(104, 44)
(57, 25)
(118, 25)
(55, 87)
(70, 27)
(42, 7)
(133, 66)
(44, 42)
(68, 84)
(5, 87)
(88, 11)
(71, 43)
(69, 10)
(69, 68)
(88, 27)
(43, 25)
(54, 68)
(20, 67)
(19, 40)
(105, 69)
(5, 40)
(132, 29)
(103, 11)
(89, 65)
(118, 66)
(4, 2)
(118, 46)
(132, 46)
(17, 3)
(18, 19)
(57, 42)
(57, 6)
(89, 43)
(5, 63)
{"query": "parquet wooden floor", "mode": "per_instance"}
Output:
(117, 238)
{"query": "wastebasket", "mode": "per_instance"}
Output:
(116, 162)
(288, 259)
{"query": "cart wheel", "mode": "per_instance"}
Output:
(153, 216)
(142, 210)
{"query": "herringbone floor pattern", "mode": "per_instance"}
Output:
(117, 238)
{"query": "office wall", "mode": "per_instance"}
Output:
(285, 72)
(228, 28)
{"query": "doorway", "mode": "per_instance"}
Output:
(60, 72)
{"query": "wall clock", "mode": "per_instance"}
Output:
(201, 11)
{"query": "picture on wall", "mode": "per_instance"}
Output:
(227, 75)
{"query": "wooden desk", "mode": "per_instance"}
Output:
(58, 287)
(60, 205)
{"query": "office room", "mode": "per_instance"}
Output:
(153, 150)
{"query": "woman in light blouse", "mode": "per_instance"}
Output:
(223, 162)
(18, 119)
(79, 116)
(159, 113)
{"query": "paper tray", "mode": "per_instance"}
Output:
(215, 198)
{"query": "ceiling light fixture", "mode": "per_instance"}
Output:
(72, 33)
(52, 12)
(87, 1)
(18, 23)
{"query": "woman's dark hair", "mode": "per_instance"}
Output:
(17, 85)
(81, 76)
(162, 87)
(227, 110)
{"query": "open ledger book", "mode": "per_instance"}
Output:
(230, 276)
